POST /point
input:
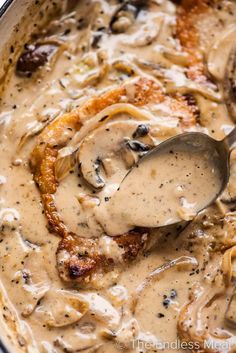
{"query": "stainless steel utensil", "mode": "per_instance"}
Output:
(145, 204)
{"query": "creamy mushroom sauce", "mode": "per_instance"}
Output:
(160, 191)
(40, 312)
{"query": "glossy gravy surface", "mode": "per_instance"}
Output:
(166, 189)
(139, 312)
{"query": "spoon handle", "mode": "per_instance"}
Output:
(231, 139)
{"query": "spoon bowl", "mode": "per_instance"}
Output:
(215, 152)
(171, 183)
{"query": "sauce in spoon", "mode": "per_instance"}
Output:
(171, 183)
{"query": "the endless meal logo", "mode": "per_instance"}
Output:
(142, 346)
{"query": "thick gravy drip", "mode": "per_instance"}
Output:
(160, 191)
(178, 292)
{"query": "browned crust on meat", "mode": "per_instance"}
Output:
(188, 14)
(55, 223)
(44, 155)
(131, 243)
(80, 266)
(81, 258)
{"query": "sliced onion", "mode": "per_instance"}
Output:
(219, 52)
(176, 57)
(65, 163)
(182, 261)
(195, 323)
(177, 82)
(102, 310)
(61, 308)
(34, 129)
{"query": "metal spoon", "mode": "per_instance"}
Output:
(173, 182)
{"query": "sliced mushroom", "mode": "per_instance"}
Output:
(34, 57)
(106, 142)
(129, 157)
(125, 16)
(60, 308)
(65, 159)
(229, 195)
(230, 84)
(141, 131)
(137, 146)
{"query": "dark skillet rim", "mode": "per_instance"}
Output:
(3, 10)
(3, 348)
(4, 7)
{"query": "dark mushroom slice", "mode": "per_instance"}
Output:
(229, 84)
(33, 57)
(137, 146)
(97, 168)
(141, 131)
(97, 36)
(125, 15)
(100, 150)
